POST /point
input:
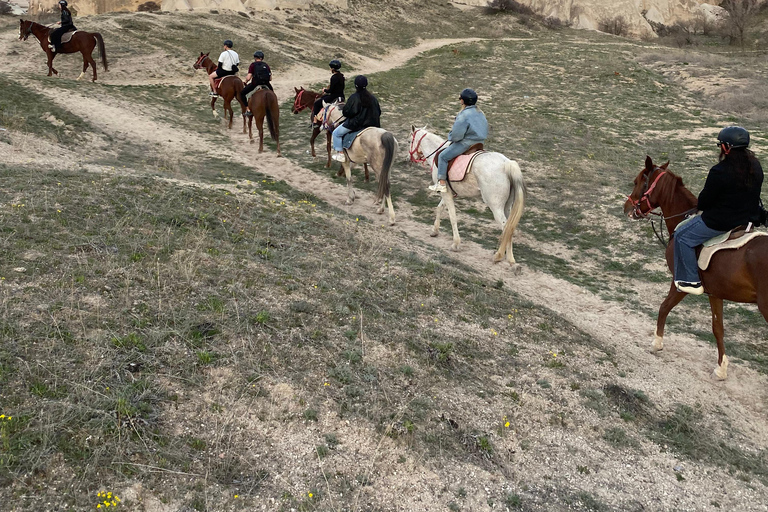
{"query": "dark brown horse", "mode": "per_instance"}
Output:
(229, 88)
(735, 275)
(303, 99)
(83, 42)
(263, 103)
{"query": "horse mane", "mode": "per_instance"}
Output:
(677, 182)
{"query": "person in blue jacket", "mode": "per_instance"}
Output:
(469, 128)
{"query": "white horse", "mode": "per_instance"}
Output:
(494, 177)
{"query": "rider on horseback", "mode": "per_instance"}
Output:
(334, 91)
(258, 74)
(361, 111)
(469, 128)
(228, 61)
(66, 26)
(730, 198)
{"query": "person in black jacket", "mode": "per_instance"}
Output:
(334, 91)
(361, 111)
(66, 26)
(259, 73)
(730, 198)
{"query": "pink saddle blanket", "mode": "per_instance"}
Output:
(460, 166)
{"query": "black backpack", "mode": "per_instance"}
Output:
(261, 72)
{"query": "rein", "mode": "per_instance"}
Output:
(646, 197)
(297, 105)
(199, 63)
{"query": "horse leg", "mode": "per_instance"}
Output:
(448, 198)
(716, 305)
(88, 61)
(213, 106)
(328, 148)
(367, 177)
(391, 210)
(347, 166)
(250, 129)
(260, 126)
(228, 109)
(51, 56)
(315, 133)
(438, 213)
(673, 299)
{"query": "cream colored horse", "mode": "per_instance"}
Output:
(377, 148)
(494, 177)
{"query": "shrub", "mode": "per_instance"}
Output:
(5, 7)
(149, 7)
(510, 6)
(617, 26)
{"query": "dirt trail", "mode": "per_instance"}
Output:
(681, 373)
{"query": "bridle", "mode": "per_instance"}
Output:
(414, 150)
(28, 32)
(637, 204)
(297, 105)
(199, 63)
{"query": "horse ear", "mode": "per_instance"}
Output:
(665, 165)
(413, 128)
(648, 163)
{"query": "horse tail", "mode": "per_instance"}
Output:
(102, 50)
(518, 191)
(390, 148)
(270, 103)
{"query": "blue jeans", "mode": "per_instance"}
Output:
(448, 154)
(686, 239)
(338, 133)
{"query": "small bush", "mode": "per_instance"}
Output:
(617, 26)
(149, 7)
(509, 6)
(5, 7)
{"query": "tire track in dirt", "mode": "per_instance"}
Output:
(681, 373)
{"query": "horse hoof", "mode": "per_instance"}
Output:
(434, 233)
(497, 257)
(658, 344)
(721, 371)
(455, 247)
(391, 222)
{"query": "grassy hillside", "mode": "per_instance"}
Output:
(186, 332)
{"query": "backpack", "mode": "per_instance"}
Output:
(261, 72)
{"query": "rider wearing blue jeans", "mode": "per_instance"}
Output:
(361, 111)
(730, 198)
(469, 128)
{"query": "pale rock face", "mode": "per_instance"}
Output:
(588, 14)
(86, 7)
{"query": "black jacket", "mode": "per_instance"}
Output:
(358, 116)
(66, 18)
(726, 202)
(336, 89)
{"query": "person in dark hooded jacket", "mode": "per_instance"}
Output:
(66, 26)
(361, 111)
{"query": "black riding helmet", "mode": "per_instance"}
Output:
(228, 43)
(258, 54)
(335, 64)
(733, 137)
(469, 96)
(361, 82)
(63, 2)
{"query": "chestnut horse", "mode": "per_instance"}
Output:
(263, 103)
(83, 42)
(736, 275)
(305, 98)
(229, 88)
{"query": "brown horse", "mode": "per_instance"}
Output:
(263, 103)
(229, 88)
(303, 99)
(83, 42)
(736, 275)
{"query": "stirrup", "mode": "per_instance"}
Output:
(690, 288)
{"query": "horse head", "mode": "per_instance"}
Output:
(199, 62)
(25, 29)
(415, 138)
(301, 100)
(640, 203)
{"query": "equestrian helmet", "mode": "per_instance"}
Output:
(469, 96)
(733, 137)
(258, 54)
(361, 82)
(228, 43)
(335, 64)
(63, 3)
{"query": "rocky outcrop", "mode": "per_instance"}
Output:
(86, 7)
(588, 14)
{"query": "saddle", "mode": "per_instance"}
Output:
(459, 166)
(735, 238)
(217, 81)
(323, 117)
(65, 37)
(349, 139)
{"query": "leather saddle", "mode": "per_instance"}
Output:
(217, 81)
(65, 37)
(474, 148)
(734, 239)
